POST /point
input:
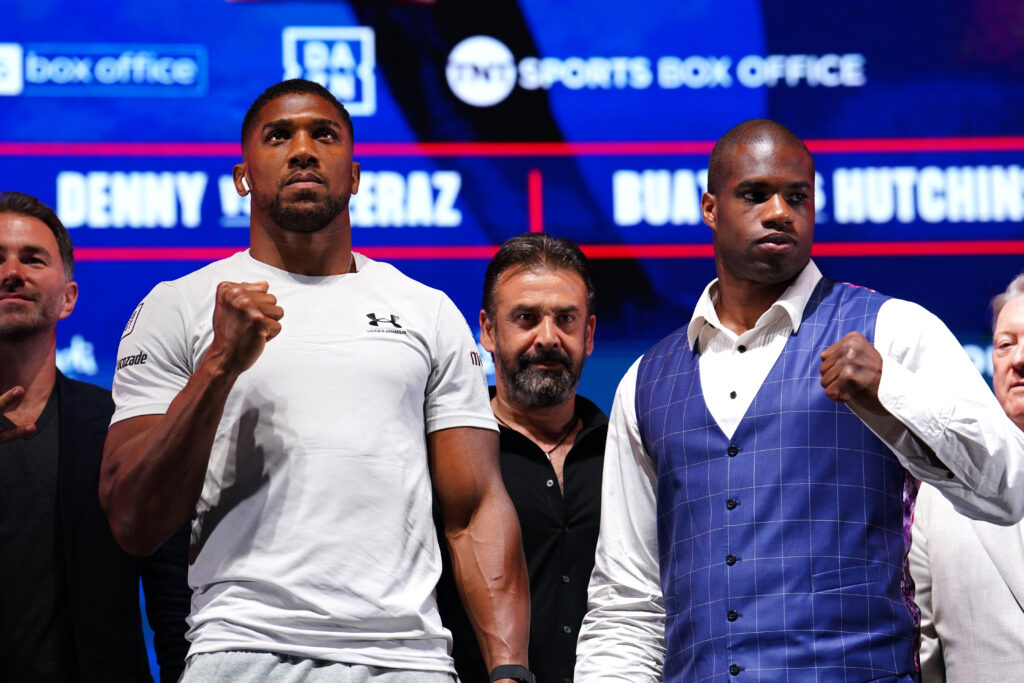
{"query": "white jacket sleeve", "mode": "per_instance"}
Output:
(941, 408)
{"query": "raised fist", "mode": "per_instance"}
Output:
(245, 318)
(851, 370)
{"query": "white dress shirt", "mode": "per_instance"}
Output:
(937, 403)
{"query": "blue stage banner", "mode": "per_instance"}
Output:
(477, 121)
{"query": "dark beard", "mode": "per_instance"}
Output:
(306, 217)
(540, 388)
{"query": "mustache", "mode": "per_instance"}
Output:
(549, 356)
(302, 176)
(18, 288)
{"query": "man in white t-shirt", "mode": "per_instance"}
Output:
(298, 401)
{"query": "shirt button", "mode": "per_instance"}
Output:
(741, 348)
(731, 504)
(565, 579)
(730, 559)
(732, 615)
(550, 483)
(734, 669)
(733, 450)
(567, 628)
(732, 394)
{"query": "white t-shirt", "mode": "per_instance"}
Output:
(313, 535)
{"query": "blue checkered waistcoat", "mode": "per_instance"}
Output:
(782, 550)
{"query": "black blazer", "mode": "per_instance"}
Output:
(102, 579)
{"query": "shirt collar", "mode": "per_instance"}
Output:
(791, 303)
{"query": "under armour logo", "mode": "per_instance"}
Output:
(375, 321)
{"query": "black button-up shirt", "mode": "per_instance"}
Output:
(559, 538)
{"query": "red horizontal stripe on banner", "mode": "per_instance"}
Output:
(120, 149)
(876, 145)
(154, 253)
(648, 250)
(932, 248)
(532, 149)
(596, 251)
(402, 253)
(510, 149)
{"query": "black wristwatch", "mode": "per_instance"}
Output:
(516, 672)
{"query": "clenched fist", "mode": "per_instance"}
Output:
(851, 370)
(245, 318)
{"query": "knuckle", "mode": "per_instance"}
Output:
(229, 293)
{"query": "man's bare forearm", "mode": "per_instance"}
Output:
(154, 466)
(483, 533)
(490, 571)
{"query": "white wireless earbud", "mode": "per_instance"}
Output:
(245, 184)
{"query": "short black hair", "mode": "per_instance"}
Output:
(26, 205)
(747, 133)
(294, 86)
(536, 250)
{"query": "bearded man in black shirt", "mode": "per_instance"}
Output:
(538, 323)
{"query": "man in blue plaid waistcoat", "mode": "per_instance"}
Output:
(763, 461)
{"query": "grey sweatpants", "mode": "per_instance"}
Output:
(260, 667)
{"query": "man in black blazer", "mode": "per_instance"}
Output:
(69, 596)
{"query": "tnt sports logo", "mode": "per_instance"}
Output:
(481, 71)
(103, 70)
(342, 59)
(11, 69)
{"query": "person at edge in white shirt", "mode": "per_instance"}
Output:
(969, 574)
(305, 451)
(914, 388)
